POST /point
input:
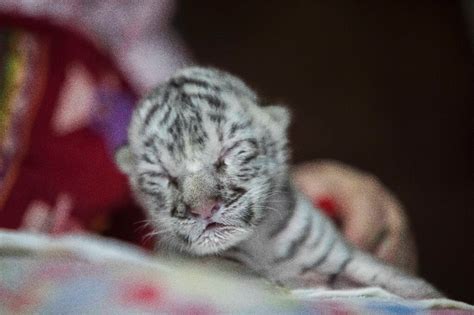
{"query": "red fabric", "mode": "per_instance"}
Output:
(327, 204)
(77, 163)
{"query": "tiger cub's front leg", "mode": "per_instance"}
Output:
(306, 250)
(369, 271)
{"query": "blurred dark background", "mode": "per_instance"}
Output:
(386, 86)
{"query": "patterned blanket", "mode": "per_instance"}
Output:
(79, 274)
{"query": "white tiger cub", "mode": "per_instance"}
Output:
(209, 165)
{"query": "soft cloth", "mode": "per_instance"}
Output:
(138, 35)
(87, 275)
(64, 108)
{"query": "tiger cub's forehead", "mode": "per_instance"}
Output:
(192, 117)
(183, 157)
(192, 140)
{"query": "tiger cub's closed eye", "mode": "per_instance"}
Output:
(152, 181)
(242, 149)
(246, 151)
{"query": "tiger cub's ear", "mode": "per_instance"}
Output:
(124, 159)
(279, 114)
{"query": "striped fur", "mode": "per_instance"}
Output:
(203, 134)
(307, 250)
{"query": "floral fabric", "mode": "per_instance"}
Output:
(82, 275)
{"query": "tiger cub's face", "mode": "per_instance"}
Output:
(204, 158)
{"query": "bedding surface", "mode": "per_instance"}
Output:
(80, 274)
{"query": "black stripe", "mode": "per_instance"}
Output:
(320, 235)
(155, 107)
(166, 116)
(233, 259)
(238, 143)
(149, 143)
(216, 118)
(156, 194)
(295, 243)
(212, 100)
(283, 224)
(238, 191)
(184, 238)
(148, 187)
(231, 202)
(321, 259)
(238, 126)
(244, 177)
(235, 252)
(180, 82)
(291, 204)
(197, 116)
(170, 147)
(150, 175)
(333, 277)
(248, 215)
(249, 158)
(146, 158)
(174, 211)
(253, 142)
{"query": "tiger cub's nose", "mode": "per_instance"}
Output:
(206, 209)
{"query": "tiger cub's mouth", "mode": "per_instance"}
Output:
(213, 228)
(214, 225)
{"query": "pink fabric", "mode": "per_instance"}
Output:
(136, 33)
